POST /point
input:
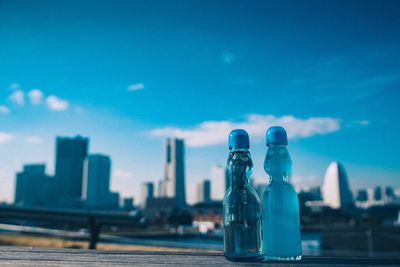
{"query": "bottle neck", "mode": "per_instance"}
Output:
(278, 163)
(239, 167)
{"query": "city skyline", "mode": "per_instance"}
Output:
(128, 76)
(95, 181)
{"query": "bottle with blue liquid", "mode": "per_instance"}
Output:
(280, 204)
(241, 205)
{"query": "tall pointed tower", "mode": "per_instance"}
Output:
(336, 190)
(175, 171)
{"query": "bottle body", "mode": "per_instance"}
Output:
(280, 209)
(241, 212)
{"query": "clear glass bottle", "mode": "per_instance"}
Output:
(280, 204)
(241, 205)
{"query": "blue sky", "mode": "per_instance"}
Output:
(130, 73)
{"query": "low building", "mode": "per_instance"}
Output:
(128, 203)
(208, 212)
(33, 188)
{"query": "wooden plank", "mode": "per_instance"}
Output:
(25, 256)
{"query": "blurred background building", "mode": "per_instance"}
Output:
(174, 181)
(147, 193)
(33, 187)
(336, 189)
(96, 183)
(204, 191)
(70, 156)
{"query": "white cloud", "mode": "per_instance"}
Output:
(216, 132)
(57, 104)
(6, 137)
(18, 97)
(4, 110)
(33, 140)
(35, 96)
(136, 87)
(15, 86)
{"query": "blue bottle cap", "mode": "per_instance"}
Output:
(238, 138)
(276, 135)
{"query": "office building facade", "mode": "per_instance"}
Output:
(362, 195)
(33, 188)
(175, 171)
(96, 180)
(70, 157)
(147, 192)
(96, 183)
(204, 191)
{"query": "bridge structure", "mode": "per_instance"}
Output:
(93, 221)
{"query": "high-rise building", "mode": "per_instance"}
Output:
(70, 156)
(219, 182)
(128, 203)
(113, 201)
(204, 191)
(175, 171)
(147, 193)
(362, 195)
(96, 181)
(378, 193)
(336, 190)
(161, 188)
(33, 188)
(371, 194)
(389, 193)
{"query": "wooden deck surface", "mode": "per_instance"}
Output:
(26, 256)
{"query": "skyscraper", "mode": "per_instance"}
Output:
(378, 193)
(33, 188)
(147, 192)
(219, 182)
(96, 181)
(371, 194)
(70, 155)
(161, 188)
(96, 184)
(389, 193)
(204, 191)
(362, 195)
(175, 171)
(336, 190)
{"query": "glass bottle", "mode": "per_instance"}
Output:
(241, 205)
(280, 204)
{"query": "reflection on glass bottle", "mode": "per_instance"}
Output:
(241, 205)
(280, 204)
